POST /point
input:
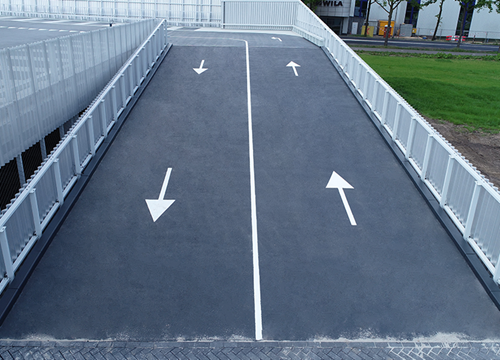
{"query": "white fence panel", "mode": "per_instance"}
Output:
(177, 12)
(42, 85)
(486, 228)
(24, 220)
(278, 15)
(420, 139)
(437, 166)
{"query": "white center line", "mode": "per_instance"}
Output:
(255, 239)
(253, 202)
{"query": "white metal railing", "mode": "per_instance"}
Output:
(468, 198)
(25, 220)
(46, 83)
(256, 15)
(177, 12)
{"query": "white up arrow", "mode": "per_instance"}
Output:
(295, 66)
(158, 206)
(200, 69)
(336, 182)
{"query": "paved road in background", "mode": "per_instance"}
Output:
(18, 31)
(363, 259)
(408, 43)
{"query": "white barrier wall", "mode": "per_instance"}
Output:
(24, 221)
(44, 84)
(177, 12)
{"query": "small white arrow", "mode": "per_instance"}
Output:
(294, 65)
(200, 69)
(276, 38)
(158, 206)
(336, 182)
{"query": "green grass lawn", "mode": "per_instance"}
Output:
(464, 92)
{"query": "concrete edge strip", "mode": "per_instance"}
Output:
(219, 344)
(465, 249)
(14, 289)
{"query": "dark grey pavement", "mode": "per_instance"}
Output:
(406, 51)
(111, 273)
(18, 31)
(419, 43)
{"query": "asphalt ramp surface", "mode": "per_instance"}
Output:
(114, 273)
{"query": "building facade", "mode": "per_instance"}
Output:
(348, 17)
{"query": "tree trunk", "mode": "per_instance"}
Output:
(388, 32)
(367, 16)
(438, 19)
(462, 26)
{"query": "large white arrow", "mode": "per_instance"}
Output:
(200, 69)
(294, 66)
(336, 182)
(158, 206)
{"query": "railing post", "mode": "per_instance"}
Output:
(496, 275)
(411, 134)
(427, 156)
(137, 70)
(7, 259)
(114, 101)
(130, 74)
(375, 94)
(446, 183)
(396, 122)
(104, 123)
(385, 106)
(36, 213)
(472, 210)
(355, 72)
(90, 134)
(57, 178)
(20, 170)
(150, 51)
(124, 95)
(76, 157)
(365, 84)
(142, 62)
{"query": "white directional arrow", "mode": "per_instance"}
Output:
(200, 69)
(158, 206)
(295, 66)
(336, 182)
(276, 38)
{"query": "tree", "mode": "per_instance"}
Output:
(312, 4)
(472, 5)
(389, 6)
(368, 15)
(438, 16)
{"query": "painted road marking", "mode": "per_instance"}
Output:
(253, 201)
(200, 70)
(294, 66)
(255, 239)
(276, 38)
(337, 182)
(158, 206)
